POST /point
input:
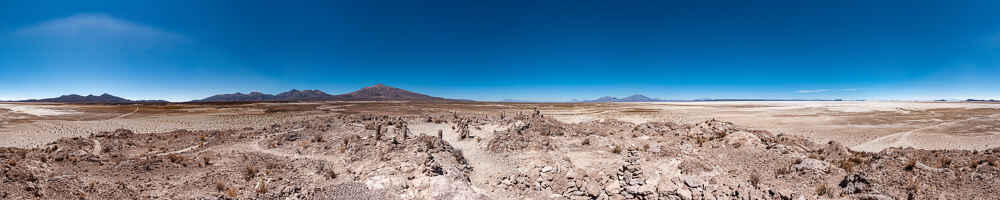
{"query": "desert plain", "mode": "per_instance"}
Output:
(484, 150)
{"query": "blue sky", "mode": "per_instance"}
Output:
(491, 50)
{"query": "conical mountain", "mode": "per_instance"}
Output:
(381, 92)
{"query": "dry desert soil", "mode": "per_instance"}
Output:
(475, 150)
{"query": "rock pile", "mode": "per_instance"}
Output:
(630, 179)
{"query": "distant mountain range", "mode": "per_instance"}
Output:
(633, 98)
(104, 98)
(292, 95)
(377, 92)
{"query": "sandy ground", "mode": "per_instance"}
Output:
(47, 123)
(864, 126)
(37, 110)
(412, 150)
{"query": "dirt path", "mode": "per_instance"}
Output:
(179, 151)
(127, 114)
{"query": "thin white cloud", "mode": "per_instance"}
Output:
(813, 91)
(97, 27)
(849, 89)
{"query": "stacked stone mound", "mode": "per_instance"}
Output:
(631, 179)
(463, 129)
(532, 134)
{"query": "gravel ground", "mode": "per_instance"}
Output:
(479, 151)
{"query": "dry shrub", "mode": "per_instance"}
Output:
(250, 172)
(318, 139)
(346, 142)
(176, 158)
(231, 193)
(692, 167)
(220, 186)
(847, 166)
(755, 179)
(913, 187)
(262, 188)
(617, 149)
(645, 147)
(206, 160)
(852, 163)
(92, 186)
(822, 190)
(331, 174)
(459, 156)
(783, 170)
(586, 141)
(945, 162)
(909, 165)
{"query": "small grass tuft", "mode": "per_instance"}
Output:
(250, 172)
(231, 193)
(755, 179)
(945, 162)
(176, 158)
(822, 190)
(909, 165)
(847, 166)
(783, 170)
(262, 188)
(220, 185)
(617, 149)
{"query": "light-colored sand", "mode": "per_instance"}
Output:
(864, 126)
(37, 110)
(45, 131)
